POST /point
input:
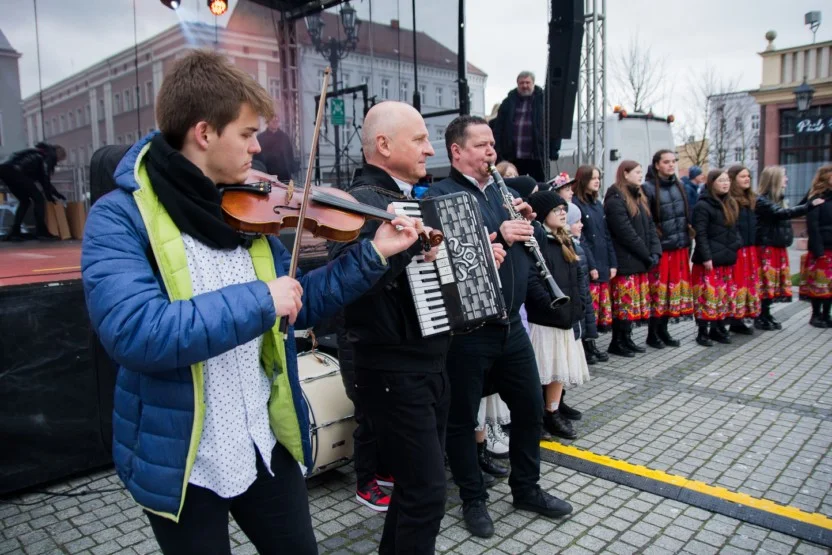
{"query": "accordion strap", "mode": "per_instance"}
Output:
(379, 190)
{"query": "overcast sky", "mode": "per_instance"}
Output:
(503, 37)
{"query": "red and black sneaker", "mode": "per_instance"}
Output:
(371, 495)
(385, 480)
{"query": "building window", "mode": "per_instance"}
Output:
(755, 122)
(62, 125)
(100, 109)
(440, 133)
(129, 139)
(47, 130)
(148, 92)
(738, 123)
(55, 128)
(403, 90)
(119, 140)
(365, 80)
(423, 93)
(274, 88)
(345, 80)
(801, 151)
(439, 96)
(128, 101)
(2, 139)
(70, 121)
(82, 158)
(87, 119)
(79, 117)
(385, 88)
(754, 153)
(320, 78)
(455, 98)
(116, 103)
(737, 154)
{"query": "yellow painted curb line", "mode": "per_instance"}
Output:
(815, 519)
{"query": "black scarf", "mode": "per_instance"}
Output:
(192, 200)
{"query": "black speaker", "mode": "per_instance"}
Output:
(566, 33)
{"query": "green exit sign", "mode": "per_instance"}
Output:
(337, 107)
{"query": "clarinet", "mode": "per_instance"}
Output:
(558, 296)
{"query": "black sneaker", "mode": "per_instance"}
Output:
(477, 519)
(742, 329)
(557, 425)
(817, 321)
(543, 503)
(763, 324)
(371, 496)
(569, 412)
(774, 322)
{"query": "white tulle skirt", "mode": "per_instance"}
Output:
(560, 357)
(493, 410)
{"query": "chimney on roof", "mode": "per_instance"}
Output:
(394, 23)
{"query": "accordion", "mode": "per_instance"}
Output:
(460, 290)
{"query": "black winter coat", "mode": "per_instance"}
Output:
(588, 328)
(382, 326)
(566, 275)
(715, 241)
(774, 228)
(819, 224)
(636, 243)
(503, 126)
(518, 263)
(595, 238)
(37, 164)
(671, 218)
(747, 226)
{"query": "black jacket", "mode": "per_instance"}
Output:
(671, 218)
(715, 241)
(747, 226)
(588, 328)
(819, 224)
(37, 164)
(636, 243)
(503, 126)
(595, 238)
(276, 154)
(515, 268)
(382, 326)
(566, 276)
(774, 228)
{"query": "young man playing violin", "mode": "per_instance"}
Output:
(400, 378)
(208, 415)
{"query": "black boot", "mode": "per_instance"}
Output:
(477, 519)
(827, 306)
(601, 356)
(664, 335)
(627, 339)
(557, 425)
(817, 314)
(653, 334)
(487, 463)
(765, 322)
(702, 337)
(617, 346)
(588, 354)
(738, 326)
(719, 333)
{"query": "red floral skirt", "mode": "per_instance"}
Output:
(712, 292)
(816, 276)
(602, 304)
(745, 302)
(670, 292)
(630, 297)
(775, 274)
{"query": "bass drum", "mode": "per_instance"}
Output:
(331, 413)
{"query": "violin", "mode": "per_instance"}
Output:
(265, 205)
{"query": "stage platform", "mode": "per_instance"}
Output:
(39, 262)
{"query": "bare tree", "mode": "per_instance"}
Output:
(637, 77)
(709, 128)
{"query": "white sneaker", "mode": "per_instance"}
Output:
(496, 441)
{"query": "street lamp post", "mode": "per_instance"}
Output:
(334, 51)
(803, 95)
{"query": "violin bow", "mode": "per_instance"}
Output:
(293, 265)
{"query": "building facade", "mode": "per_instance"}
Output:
(799, 141)
(12, 137)
(112, 102)
(734, 131)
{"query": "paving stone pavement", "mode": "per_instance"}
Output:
(754, 417)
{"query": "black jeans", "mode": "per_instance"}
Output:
(365, 446)
(503, 357)
(409, 413)
(532, 168)
(273, 512)
(27, 193)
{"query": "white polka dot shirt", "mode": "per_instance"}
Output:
(236, 424)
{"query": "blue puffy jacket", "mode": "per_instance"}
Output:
(155, 340)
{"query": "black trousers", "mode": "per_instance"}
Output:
(409, 413)
(533, 168)
(27, 193)
(503, 357)
(365, 446)
(273, 512)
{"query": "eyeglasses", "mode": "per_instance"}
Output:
(559, 210)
